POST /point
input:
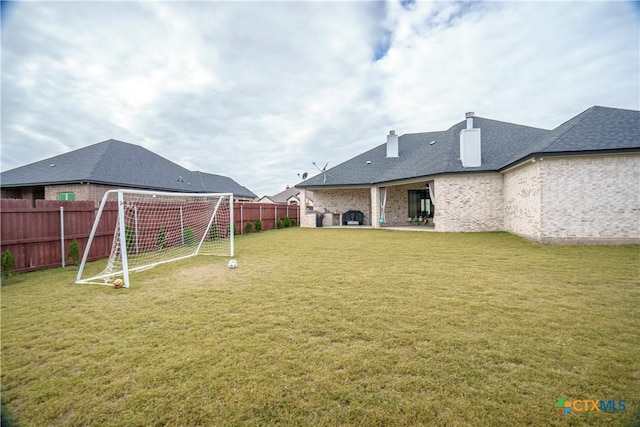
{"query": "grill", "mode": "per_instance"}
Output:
(352, 218)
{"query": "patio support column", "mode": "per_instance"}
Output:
(303, 204)
(375, 207)
(303, 219)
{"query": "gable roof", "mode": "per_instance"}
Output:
(267, 198)
(504, 144)
(121, 164)
(285, 195)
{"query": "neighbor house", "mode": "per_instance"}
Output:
(87, 173)
(579, 182)
(289, 196)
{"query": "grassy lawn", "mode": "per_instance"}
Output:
(333, 327)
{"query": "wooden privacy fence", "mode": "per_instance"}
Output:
(39, 237)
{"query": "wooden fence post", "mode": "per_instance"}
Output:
(62, 233)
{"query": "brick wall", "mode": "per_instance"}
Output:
(92, 192)
(591, 199)
(469, 203)
(339, 201)
(522, 200)
(397, 206)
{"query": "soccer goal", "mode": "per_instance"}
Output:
(153, 228)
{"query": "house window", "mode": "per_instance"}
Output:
(419, 204)
(66, 196)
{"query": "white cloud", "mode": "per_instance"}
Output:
(511, 61)
(259, 90)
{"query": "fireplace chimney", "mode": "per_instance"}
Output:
(392, 144)
(470, 144)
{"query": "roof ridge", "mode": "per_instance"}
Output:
(576, 121)
(96, 164)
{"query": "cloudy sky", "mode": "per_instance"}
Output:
(258, 91)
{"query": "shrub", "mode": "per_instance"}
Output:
(288, 222)
(8, 263)
(279, 223)
(258, 224)
(189, 236)
(73, 251)
(161, 240)
(248, 227)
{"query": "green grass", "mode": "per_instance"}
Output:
(333, 327)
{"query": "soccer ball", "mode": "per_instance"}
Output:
(232, 263)
(118, 283)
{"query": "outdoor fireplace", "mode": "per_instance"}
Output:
(352, 217)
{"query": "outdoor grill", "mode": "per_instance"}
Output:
(352, 217)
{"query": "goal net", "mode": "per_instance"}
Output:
(153, 228)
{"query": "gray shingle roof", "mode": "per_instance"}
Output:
(210, 181)
(120, 164)
(283, 196)
(598, 128)
(503, 144)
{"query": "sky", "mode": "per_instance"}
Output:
(259, 91)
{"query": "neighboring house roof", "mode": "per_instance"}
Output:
(284, 196)
(266, 199)
(212, 181)
(121, 164)
(504, 144)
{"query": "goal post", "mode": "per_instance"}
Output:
(155, 227)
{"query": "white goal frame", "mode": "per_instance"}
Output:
(120, 234)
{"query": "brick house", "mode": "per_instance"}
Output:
(289, 196)
(87, 173)
(579, 182)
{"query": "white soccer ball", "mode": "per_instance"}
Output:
(232, 263)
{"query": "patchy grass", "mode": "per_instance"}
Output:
(333, 327)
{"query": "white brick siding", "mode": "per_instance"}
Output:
(469, 203)
(522, 200)
(591, 199)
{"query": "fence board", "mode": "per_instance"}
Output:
(33, 235)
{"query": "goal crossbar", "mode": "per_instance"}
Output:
(154, 228)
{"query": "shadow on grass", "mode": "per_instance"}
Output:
(7, 419)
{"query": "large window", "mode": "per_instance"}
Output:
(419, 204)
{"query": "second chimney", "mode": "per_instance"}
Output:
(392, 144)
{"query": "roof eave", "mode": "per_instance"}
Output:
(93, 182)
(332, 186)
(542, 154)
